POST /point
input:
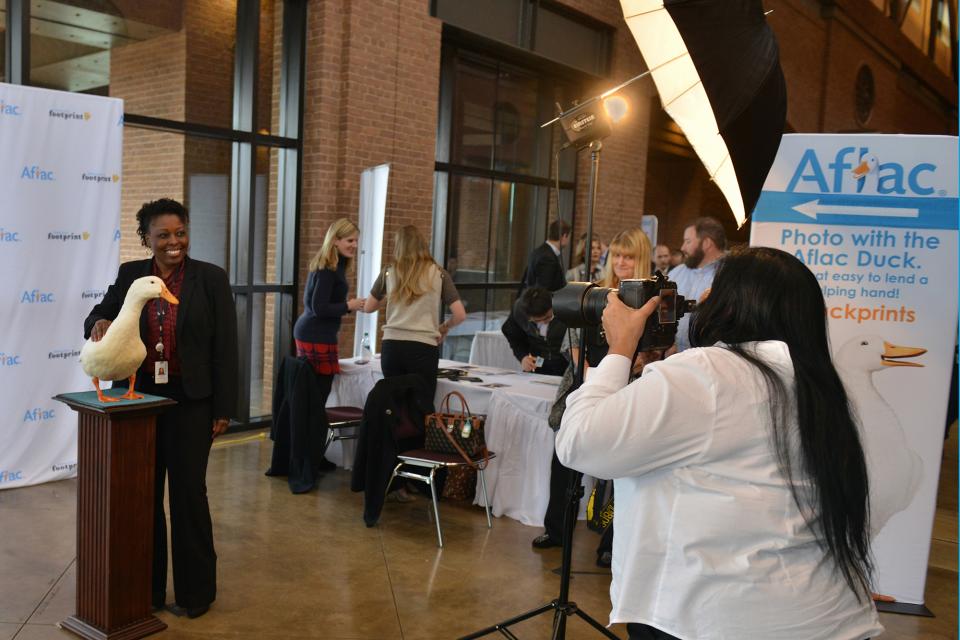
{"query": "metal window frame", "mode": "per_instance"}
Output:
(17, 63)
(455, 47)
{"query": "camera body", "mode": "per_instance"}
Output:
(581, 304)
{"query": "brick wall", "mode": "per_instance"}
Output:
(371, 97)
(150, 77)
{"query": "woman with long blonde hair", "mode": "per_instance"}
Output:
(325, 301)
(414, 287)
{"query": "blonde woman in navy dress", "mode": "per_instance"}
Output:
(325, 303)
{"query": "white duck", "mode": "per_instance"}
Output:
(895, 470)
(869, 172)
(118, 355)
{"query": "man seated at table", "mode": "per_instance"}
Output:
(535, 335)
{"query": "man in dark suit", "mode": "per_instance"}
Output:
(535, 335)
(545, 269)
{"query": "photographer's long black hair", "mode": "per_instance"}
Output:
(767, 294)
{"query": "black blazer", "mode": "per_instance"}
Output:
(545, 269)
(525, 338)
(206, 330)
(299, 429)
(393, 418)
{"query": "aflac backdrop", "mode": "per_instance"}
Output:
(874, 217)
(60, 161)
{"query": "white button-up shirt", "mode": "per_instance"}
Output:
(709, 542)
(691, 284)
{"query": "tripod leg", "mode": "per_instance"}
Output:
(502, 626)
(596, 625)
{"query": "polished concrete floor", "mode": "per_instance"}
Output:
(305, 566)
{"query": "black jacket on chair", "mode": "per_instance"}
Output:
(206, 330)
(299, 429)
(393, 419)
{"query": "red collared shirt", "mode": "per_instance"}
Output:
(160, 311)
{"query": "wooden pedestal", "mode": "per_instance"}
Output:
(115, 461)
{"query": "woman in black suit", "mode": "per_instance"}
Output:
(191, 358)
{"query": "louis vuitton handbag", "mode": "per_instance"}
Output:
(457, 432)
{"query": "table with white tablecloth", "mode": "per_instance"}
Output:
(491, 349)
(518, 479)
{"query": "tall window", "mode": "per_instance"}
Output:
(496, 184)
(931, 25)
(212, 101)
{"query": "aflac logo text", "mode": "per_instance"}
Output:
(10, 476)
(39, 414)
(860, 171)
(37, 173)
(36, 296)
(7, 109)
(8, 360)
(9, 236)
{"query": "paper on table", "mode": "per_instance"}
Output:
(548, 382)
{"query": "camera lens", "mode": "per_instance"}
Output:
(593, 305)
(580, 304)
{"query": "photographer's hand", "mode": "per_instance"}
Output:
(624, 326)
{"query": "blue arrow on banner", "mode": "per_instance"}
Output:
(856, 210)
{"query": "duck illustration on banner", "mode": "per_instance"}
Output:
(895, 470)
(867, 174)
(120, 352)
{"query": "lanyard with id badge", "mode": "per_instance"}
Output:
(161, 368)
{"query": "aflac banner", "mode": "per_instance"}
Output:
(875, 218)
(60, 161)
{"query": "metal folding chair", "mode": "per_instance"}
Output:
(342, 419)
(432, 460)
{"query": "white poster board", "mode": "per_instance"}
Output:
(650, 225)
(874, 217)
(373, 211)
(60, 164)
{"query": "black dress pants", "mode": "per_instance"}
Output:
(400, 357)
(184, 436)
(560, 478)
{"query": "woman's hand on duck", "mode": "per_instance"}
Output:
(220, 427)
(99, 329)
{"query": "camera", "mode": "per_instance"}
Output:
(581, 304)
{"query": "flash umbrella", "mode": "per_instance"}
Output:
(716, 66)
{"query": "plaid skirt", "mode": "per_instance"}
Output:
(322, 357)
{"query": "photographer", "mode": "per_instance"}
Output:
(535, 336)
(742, 493)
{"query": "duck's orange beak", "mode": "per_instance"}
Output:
(166, 295)
(892, 352)
(861, 169)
